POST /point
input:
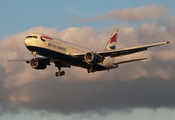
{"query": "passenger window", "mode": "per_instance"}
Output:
(31, 37)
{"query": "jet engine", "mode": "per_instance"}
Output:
(91, 57)
(37, 63)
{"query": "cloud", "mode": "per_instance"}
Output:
(139, 14)
(148, 84)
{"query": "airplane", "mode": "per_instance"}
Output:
(66, 54)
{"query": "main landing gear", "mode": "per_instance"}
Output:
(90, 70)
(59, 73)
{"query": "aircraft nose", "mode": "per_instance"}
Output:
(27, 42)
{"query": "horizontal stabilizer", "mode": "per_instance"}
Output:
(126, 61)
(28, 60)
(19, 60)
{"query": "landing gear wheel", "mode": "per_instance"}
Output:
(62, 73)
(59, 73)
(88, 71)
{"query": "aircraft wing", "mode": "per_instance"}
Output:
(120, 52)
(127, 51)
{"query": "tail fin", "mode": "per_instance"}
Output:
(111, 45)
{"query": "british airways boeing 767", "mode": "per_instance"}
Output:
(65, 54)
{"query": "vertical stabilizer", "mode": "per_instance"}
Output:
(111, 45)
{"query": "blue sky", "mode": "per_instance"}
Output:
(21, 15)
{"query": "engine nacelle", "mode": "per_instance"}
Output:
(91, 57)
(38, 64)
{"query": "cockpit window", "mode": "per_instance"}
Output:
(31, 37)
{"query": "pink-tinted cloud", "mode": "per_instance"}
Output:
(132, 85)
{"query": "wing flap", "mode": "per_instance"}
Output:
(126, 52)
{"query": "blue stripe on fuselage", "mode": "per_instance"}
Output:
(63, 57)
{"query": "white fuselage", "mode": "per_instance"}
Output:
(60, 50)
